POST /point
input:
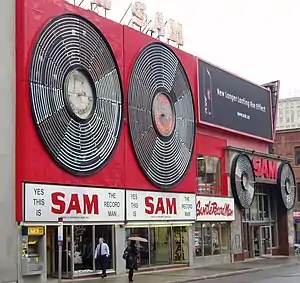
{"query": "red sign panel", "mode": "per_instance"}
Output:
(265, 168)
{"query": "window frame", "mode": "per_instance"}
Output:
(298, 191)
(297, 158)
(200, 227)
(210, 189)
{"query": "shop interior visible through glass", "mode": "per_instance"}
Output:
(166, 245)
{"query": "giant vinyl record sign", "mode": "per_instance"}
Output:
(286, 184)
(76, 94)
(242, 180)
(161, 115)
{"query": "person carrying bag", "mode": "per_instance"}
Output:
(130, 255)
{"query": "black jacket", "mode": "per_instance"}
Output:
(131, 261)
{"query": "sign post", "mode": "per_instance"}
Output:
(60, 234)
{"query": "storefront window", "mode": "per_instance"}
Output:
(254, 207)
(198, 240)
(143, 247)
(266, 214)
(273, 207)
(85, 242)
(212, 238)
(83, 248)
(225, 238)
(208, 175)
(79, 246)
(216, 238)
(207, 238)
(165, 245)
(180, 244)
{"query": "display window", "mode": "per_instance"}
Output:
(212, 238)
(79, 246)
(209, 175)
(166, 245)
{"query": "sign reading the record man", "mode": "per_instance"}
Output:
(227, 101)
(156, 206)
(45, 202)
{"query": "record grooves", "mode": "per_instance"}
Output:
(242, 180)
(76, 94)
(287, 185)
(161, 115)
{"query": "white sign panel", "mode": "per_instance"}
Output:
(49, 202)
(155, 206)
(215, 209)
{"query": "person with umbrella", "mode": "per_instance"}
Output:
(130, 255)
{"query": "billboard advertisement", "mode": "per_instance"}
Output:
(234, 104)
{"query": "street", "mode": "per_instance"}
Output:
(284, 274)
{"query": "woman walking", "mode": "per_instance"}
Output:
(130, 255)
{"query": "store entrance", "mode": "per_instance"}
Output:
(262, 240)
(79, 244)
(265, 240)
(52, 252)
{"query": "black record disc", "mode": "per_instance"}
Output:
(287, 185)
(76, 94)
(161, 115)
(242, 180)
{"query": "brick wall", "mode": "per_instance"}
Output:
(284, 145)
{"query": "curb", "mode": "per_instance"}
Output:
(232, 273)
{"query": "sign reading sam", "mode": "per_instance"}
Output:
(48, 202)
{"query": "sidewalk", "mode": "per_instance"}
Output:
(201, 273)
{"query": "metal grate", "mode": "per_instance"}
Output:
(68, 43)
(242, 180)
(287, 185)
(161, 115)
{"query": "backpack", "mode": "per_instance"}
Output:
(125, 254)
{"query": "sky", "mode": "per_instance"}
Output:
(255, 39)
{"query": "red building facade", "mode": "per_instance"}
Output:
(121, 135)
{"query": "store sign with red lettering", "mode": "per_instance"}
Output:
(214, 209)
(143, 206)
(265, 168)
(49, 202)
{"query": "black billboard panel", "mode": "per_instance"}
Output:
(229, 102)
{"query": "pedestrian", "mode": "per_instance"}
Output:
(101, 256)
(130, 255)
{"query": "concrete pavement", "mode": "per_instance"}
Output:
(285, 274)
(197, 274)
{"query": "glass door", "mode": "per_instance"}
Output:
(265, 240)
(160, 246)
(66, 252)
(255, 231)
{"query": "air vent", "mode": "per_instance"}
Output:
(161, 115)
(76, 94)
